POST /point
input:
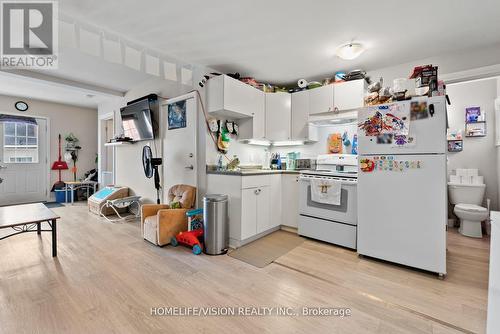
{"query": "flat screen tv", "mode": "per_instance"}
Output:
(138, 120)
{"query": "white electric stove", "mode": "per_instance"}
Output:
(336, 224)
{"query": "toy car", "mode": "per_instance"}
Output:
(189, 238)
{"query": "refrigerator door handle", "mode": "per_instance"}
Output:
(431, 109)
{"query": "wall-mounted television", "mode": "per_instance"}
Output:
(139, 118)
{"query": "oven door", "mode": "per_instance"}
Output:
(346, 212)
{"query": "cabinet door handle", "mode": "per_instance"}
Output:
(191, 167)
(257, 191)
(336, 110)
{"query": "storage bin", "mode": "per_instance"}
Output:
(61, 195)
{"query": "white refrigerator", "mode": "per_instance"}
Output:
(402, 188)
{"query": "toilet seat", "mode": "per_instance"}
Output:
(470, 207)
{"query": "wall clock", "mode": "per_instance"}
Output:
(21, 106)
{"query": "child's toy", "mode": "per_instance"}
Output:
(125, 203)
(98, 200)
(191, 237)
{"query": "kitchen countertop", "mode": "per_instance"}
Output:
(247, 172)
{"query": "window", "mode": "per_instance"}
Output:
(20, 142)
(130, 128)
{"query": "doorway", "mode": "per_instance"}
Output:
(24, 170)
(108, 152)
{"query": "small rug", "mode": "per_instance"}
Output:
(266, 250)
(51, 205)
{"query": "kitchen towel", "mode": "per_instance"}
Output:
(326, 191)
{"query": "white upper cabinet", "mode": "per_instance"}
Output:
(234, 99)
(321, 100)
(337, 97)
(349, 95)
(278, 116)
(300, 115)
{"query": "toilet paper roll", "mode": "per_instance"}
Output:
(477, 179)
(472, 172)
(302, 83)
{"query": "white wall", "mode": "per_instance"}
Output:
(479, 152)
(447, 64)
(63, 120)
(321, 146)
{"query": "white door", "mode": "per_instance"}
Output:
(248, 213)
(278, 116)
(179, 141)
(242, 98)
(349, 95)
(300, 114)
(263, 209)
(290, 191)
(23, 161)
(321, 100)
(402, 214)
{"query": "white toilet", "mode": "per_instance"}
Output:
(466, 192)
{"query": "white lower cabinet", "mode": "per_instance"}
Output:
(263, 217)
(290, 200)
(248, 213)
(254, 204)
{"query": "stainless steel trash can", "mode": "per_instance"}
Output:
(215, 224)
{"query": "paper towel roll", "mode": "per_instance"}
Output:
(302, 83)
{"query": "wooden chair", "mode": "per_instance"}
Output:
(160, 222)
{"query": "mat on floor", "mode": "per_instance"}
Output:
(52, 205)
(264, 251)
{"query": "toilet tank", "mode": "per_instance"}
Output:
(466, 193)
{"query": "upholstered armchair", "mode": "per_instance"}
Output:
(160, 222)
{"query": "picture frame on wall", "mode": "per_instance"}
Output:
(177, 115)
(473, 115)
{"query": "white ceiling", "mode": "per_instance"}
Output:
(281, 40)
(29, 87)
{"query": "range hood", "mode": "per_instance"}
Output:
(344, 117)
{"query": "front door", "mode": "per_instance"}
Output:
(23, 160)
(179, 145)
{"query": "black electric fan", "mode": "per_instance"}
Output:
(150, 165)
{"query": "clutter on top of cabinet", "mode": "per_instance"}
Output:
(355, 75)
(314, 84)
(203, 81)
(379, 94)
(339, 76)
(426, 81)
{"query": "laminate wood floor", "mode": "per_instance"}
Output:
(106, 279)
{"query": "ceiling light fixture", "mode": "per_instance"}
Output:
(350, 50)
